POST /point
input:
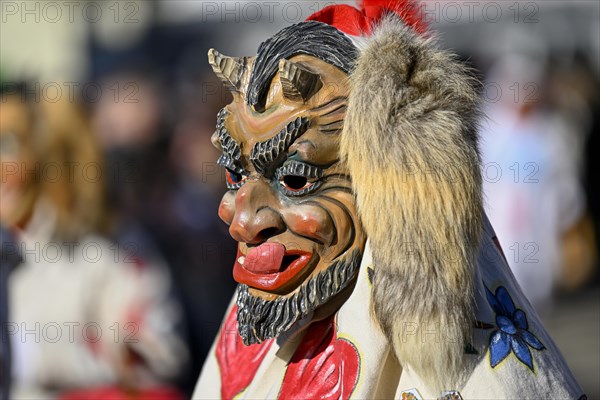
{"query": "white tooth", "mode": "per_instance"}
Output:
(241, 260)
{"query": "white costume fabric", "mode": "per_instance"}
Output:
(512, 355)
(78, 312)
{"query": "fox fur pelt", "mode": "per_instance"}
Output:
(410, 143)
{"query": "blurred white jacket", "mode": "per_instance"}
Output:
(87, 314)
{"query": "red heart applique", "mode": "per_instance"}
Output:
(238, 363)
(323, 366)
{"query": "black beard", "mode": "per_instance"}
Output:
(259, 319)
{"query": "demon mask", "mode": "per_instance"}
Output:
(290, 204)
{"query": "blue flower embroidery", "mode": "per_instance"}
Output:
(513, 330)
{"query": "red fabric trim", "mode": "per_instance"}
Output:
(497, 243)
(117, 393)
(238, 363)
(322, 367)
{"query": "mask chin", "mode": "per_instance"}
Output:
(259, 319)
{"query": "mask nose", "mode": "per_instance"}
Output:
(255, 219)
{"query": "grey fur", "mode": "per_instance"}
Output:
(411, 120)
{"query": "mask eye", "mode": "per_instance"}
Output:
(298, 178)
(234, 180)
(293, 185)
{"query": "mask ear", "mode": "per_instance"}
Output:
(298, 83)
(228, 69)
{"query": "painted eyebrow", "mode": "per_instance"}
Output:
(299, 168)
(228, 144)
(231, 149)
(265, 155)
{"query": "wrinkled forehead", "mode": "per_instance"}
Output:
(320, 109)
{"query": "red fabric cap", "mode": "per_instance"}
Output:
(355, 22)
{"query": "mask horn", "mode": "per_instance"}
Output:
(297, 83)
(228, 69)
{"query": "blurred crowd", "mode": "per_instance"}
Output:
(536, 144)
(116, 267)
(121, 267)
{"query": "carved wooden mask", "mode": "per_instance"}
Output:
(290, 203)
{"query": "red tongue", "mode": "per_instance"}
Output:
(265, 259)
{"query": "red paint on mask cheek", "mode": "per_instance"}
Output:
(227, 209)
(311, 223)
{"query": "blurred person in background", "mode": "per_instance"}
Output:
(164, 182)
(129, 125)
(200, 246)
(87, 319)
(532, 157)
(572, 93)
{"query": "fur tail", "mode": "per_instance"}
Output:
(410, 143)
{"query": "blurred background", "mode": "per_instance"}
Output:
(105, 121)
